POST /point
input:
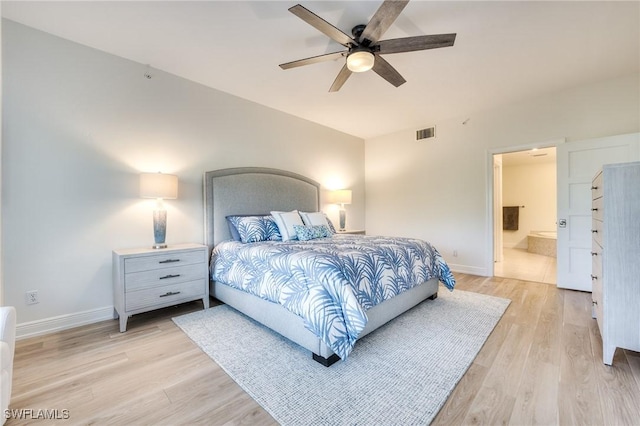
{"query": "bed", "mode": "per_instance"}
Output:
(253, 191)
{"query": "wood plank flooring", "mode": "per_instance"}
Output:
(541, 365)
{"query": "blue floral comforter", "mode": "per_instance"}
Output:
(329, 282)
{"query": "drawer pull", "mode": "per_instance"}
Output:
(593, 188)
(169, 261)
(170, 293)
(593, 253)
(595, 303)
(595, 209)
(594, 277)
(594, 231)
(169, 276)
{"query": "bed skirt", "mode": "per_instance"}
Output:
(292, 327)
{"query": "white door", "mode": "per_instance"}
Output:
(577, 163)
(498, 254)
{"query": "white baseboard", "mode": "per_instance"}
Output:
(65, 322)
(62, 322)
(471, 270)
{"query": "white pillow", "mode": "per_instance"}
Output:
(286, 222)
(314, 219)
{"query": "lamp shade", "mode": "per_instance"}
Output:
(158, 185)
(341, 196)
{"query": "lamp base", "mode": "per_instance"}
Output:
(159, 228)
(343, 219)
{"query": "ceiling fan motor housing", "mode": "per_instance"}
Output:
(357, 31)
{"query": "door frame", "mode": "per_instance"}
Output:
(490, 234)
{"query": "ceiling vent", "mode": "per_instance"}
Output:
(429, 132)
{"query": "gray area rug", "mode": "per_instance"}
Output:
(401, 374)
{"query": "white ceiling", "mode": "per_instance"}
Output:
(504, 52)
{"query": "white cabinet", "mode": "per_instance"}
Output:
(616, 256)
(145, 279)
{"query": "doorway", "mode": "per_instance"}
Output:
(525, 215)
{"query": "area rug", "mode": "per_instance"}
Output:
(401, 374)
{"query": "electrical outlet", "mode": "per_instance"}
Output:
(32, 297)
(455, 253)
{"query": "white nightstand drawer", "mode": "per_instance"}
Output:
(145, 279)
(165, 294)
(164, 260)
(164, 276)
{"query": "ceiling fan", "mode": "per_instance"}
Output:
(365, 47)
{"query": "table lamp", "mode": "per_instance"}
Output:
(159, 186)
(342, 197)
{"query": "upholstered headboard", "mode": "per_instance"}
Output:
(253, 190)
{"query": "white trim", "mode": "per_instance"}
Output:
(471, 270)
(63, 322)
(489, 249)
(1, 256)
(498, 237)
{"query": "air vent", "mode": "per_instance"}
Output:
(427, 133)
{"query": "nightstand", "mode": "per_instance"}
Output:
(353, 231)
(145, 279)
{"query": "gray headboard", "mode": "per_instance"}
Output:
(253, 190)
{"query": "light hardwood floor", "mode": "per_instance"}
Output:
(541, 365)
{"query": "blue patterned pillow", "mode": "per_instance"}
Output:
(316, 219)
(232, 228)
(252, 229)
(331, 227)
(306, 233)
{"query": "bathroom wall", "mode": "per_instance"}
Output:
(534, 187)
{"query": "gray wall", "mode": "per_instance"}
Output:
(80, 125)
(1, 273)
(438, 189)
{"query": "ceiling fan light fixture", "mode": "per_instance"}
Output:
(360, 61)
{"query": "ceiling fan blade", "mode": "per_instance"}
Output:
(386, 71)
(321, 25)
(312, 60)
(410, 44)
(342, 77)
(382, 20)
